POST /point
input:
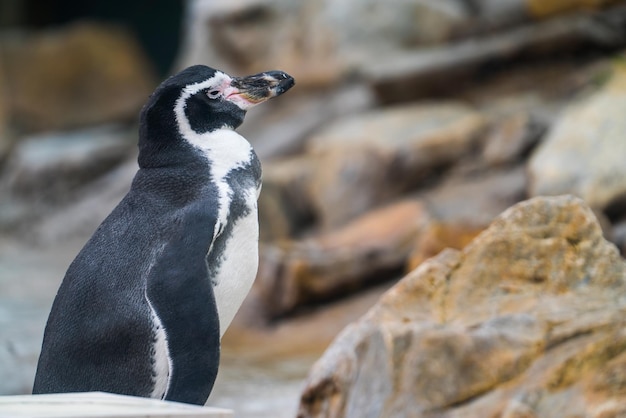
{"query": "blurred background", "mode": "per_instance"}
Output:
(412, 125)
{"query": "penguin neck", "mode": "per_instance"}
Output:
(224, 149)
(160, 142)
(198, 158)
(165, 153)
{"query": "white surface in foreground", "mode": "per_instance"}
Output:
(100, 405)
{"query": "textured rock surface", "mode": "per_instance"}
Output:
(49, 166)
(297, 271)
(526, 321)
(543, 8)
(102, 76)
(252, 35)
(369, 159)
(425, 72)
(594, 127)
(462, 206)
(283, 127)
(317, 41)
(285, 204)
(364, 251)
(436, 237)
(92, 204)
(510, 12)
(475, 200)
(512, 138)
(322, 41)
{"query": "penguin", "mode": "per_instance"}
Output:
(143, 306)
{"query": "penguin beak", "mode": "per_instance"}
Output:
(254, 89)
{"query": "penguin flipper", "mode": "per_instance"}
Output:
(180, 292)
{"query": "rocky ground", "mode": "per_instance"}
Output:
(526, 321)
(400, 140)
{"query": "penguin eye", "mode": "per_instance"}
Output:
(213, 94)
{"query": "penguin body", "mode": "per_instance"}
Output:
(143, 306)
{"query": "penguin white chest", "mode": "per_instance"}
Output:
(235, 249)
(238, 267)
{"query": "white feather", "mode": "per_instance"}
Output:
(162, 361)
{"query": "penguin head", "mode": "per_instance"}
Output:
(201, 99)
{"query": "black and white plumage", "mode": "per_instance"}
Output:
(143, 306)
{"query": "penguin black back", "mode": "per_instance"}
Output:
(142, 308)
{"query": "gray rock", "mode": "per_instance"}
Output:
(369, 159)
(374, 27)
(79, 218)
(48, 166)
(282, 127)
(475, 200)
(500, 13)
(417, 74)
(512, 138)
(583, 153)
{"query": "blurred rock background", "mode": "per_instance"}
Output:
(413, 125)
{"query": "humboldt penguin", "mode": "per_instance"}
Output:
(142, 308)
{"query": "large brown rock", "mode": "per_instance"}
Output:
(544, 8)
(372, 158)
(584, 152)
(462, 206)
(370, 249)
(527, 321)
(437, 236)
(333, 263)
(81, 74)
